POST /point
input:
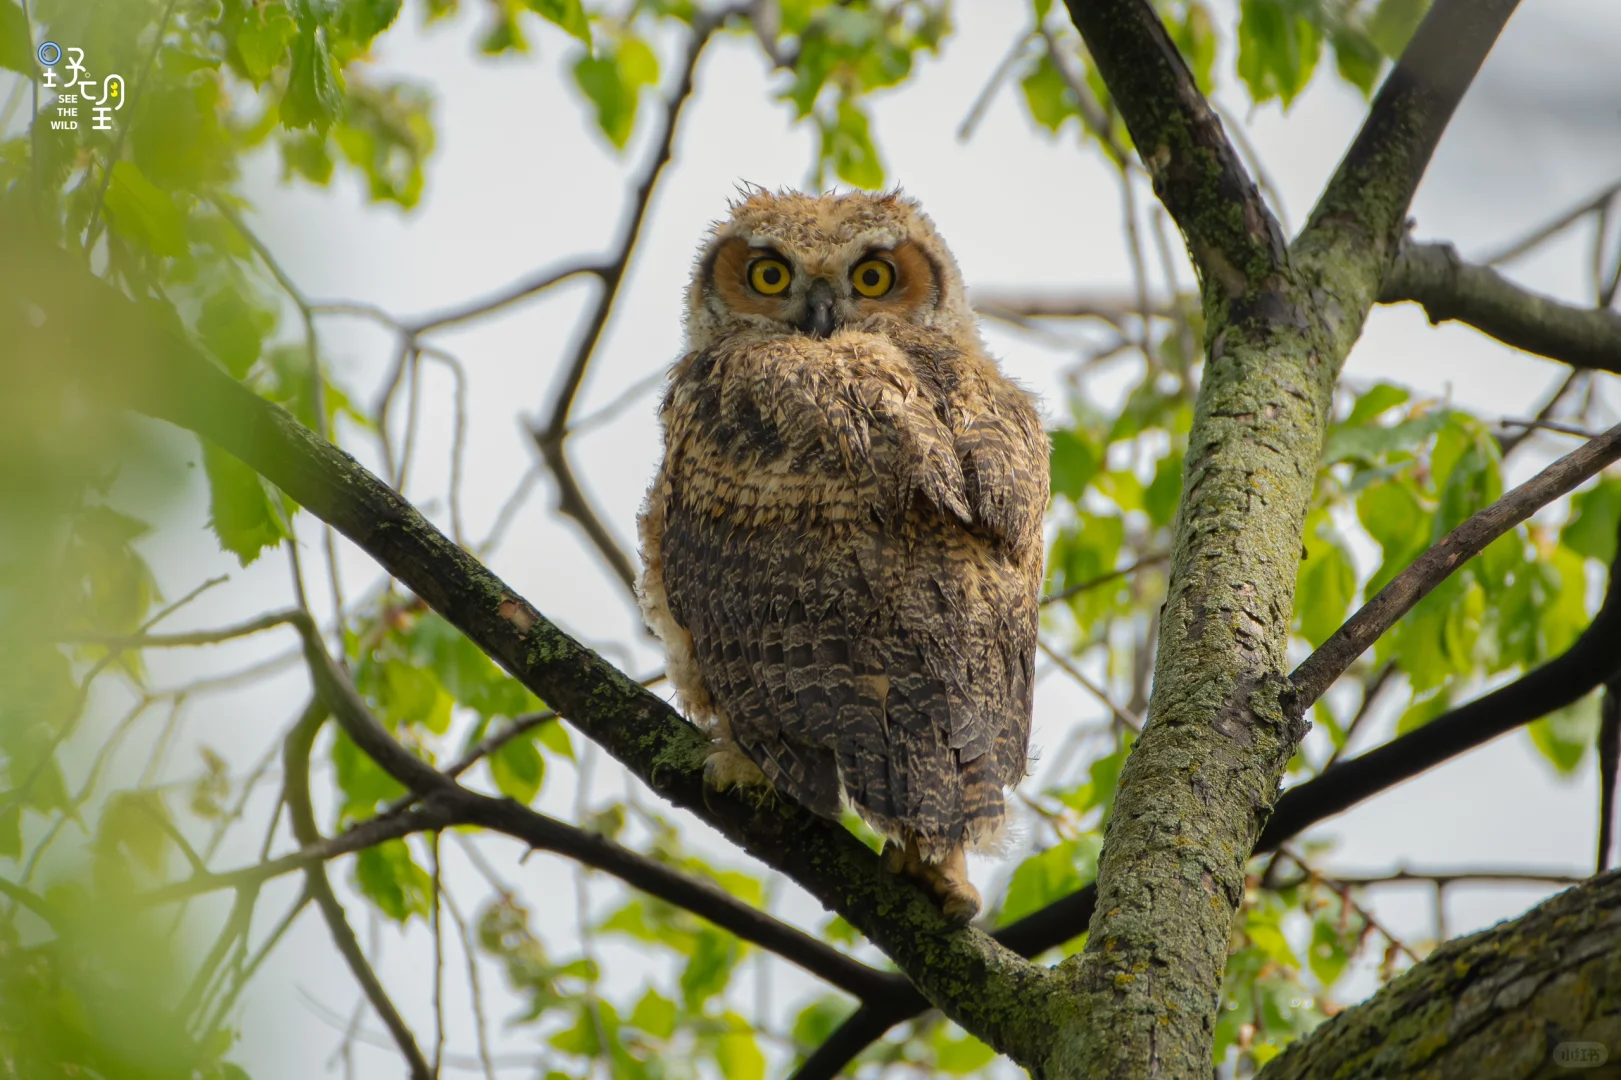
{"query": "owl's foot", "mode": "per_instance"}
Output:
(946, 881)
(728, 766)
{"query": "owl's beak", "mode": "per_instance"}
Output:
(818, 319)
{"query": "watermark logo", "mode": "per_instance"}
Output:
(1581, 1055)
(74, 87)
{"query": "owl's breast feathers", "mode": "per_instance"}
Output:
(843, 553)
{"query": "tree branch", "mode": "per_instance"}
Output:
(296, 761)
(1319, 670)
(1361, 217)
(1512, 994)
(1234, 239)
(1450, 289)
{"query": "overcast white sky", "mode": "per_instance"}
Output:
(522, 180)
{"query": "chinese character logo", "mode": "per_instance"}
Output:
(104, 96)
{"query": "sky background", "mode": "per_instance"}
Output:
(521, 180)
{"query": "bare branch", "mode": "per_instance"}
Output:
(296, 763)
(1543, 233)
(473, 309)
(1450, 289)
(193, 637)
(1318, 672)
(1103, 579)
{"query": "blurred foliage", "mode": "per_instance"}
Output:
(89, 987)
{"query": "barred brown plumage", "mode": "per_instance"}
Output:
(842, 547)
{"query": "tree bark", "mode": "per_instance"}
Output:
(1536, 997)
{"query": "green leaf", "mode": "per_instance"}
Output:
(1393, 23)
(142, 213)
(262, 39)
(518, 769)
(1048, 95)
(363, 782)
(1564, 736)
(1425, 707)
(1195, 38)
(1278, 47)
(233, 329)
(16, 43)
(314, 96)
(554, 737)
(958, 1053)
(655, 1014)
(710, 967)
(362, 20)
(613, 82)
(1377, 400)
(1369, 441)
(569, 15)
(1261, 926)
(1162, 495)
(135, 821)
(242, 512)
(820, 1019)
(1325, 588)
(1331, 947)
(1398, 523)
(11, 832)
(737, 1055)
(1356, 58)
(392, 879)
(1595, 517)
(847, 143)
(1074, 462)
(1050, 875)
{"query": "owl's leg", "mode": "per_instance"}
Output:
(946, 880)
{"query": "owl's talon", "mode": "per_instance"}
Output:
(728, 767)
(946, 881)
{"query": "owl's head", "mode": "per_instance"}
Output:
(789, 263)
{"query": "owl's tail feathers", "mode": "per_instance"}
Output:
(945, 879)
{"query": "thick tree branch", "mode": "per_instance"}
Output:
(1362, 215)
(133, 362)
(1235, 241)
(1450, 289)
(1500, 1002)
(1319, 670)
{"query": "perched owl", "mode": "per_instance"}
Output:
(842, 547)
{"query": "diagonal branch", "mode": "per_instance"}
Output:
(1319, 670)
(1450, 289)
(1196, 172)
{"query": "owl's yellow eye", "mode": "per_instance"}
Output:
(873, 278)
(769, 276)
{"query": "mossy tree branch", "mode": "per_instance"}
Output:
(134, 363)
(1505, 1002)
(1450, 289)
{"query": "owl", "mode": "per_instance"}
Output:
(842, 547)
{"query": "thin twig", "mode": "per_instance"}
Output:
(1103, 579)
(1121, 715)
(1543, 233)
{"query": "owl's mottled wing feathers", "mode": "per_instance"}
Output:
(853, 549)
